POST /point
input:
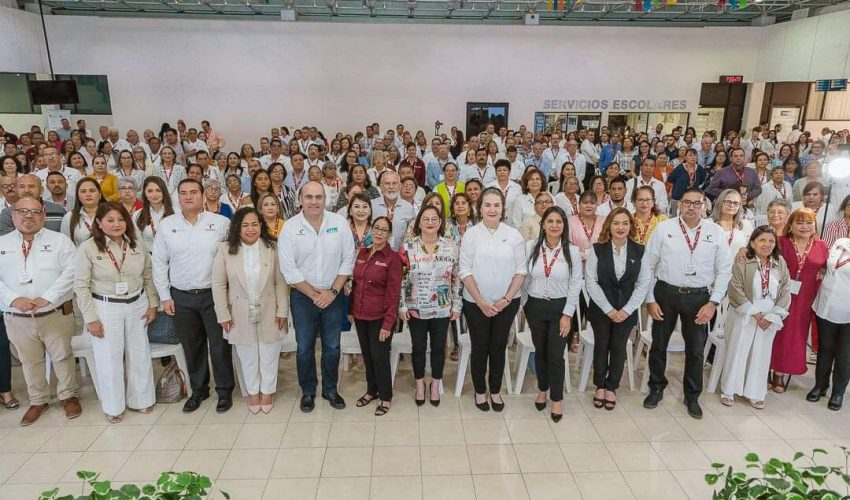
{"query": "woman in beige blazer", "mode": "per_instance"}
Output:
(252, 303)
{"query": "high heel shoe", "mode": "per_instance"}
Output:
(815, 394)
(556, 417)
(835, 402)
(267, 408)
(540, 406)
(434, 402)
(254, 409)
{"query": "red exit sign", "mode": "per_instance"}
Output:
(732, 79)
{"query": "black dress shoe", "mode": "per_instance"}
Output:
(815, 394)
(540, 406)
(308, 402)
(652, 399)
(194, 402)
(484, 406)
(223, 405)
(336, 401)
(694, 409)
(556, 417)
(835, 402)
(497, 407)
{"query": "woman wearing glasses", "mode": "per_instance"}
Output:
(729, 214)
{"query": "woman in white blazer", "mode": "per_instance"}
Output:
(252, 303)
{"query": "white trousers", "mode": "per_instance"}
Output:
(259, 366)
(748, 351)
(123, 350)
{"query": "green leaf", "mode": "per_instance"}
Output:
(87, 475)
(148, 489)
(48, 494)
(799, 455)
(717, 465)
(101, 487)
(204, 482)
(225, 494)
(819, 450)
(130, 490)
(184, 479)
(751, 457)
(711, 478)
(819, 469)
(757, 491)
(779, 484)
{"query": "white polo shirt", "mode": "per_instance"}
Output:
(316, 257)
(50, 266)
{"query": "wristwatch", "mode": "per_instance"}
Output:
(334, 291)
(716, 304)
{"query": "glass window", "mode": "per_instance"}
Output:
(93, 91)
(670, 121)
(708, 119)
(15, 95)
(617, 122)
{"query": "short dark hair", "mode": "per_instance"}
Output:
(417, 229)
(188, 180)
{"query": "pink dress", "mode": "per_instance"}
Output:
(789, 346)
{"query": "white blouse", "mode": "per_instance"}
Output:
(831, 303)
(740, 237)
(251, 266)
(563, 281)
(492, 259)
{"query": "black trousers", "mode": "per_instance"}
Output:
(589, 172)
(489, 338)
(609, 353)
(675, 305)
(833, 355)
(376, 358)
(419, 331)
(5, 359)
(544, 321)
(201, 336)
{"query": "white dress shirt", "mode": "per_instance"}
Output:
(251, 266)
(657, 187)
(511, 192)
(486, 175)
(83, 230)
(517, 169)
(50, 265)
(316, 257)
(492, 259)
(606, 208)
(267, 160)
(149, 233)
(831, 303)
(590, 152)
(595, 291)
(183, 253)
(563, 281)
(522, 208)
(402, 216)
(668, 257)
(72, 177)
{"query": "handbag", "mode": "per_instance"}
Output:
(161, 330)
(171, 386)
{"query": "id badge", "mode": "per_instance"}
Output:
(254, 314)
(25, 278)
(795, 285)
(690, 269)
(121, 288)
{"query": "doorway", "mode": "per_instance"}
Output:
(480, 114)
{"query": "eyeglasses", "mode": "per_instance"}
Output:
(380, 230)
(7, 187)
(544, 202)
(644, 200)
(430, 219)
(24, 212)
(127, 188)
(694, 204)
(730, 203)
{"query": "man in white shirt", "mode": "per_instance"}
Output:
(296, 174)
(368, 141)
(591, 156)
(390, 205)
(647, 168)
(316, 253)
(192, 146)
(794, 135)
(51, 158)
(573, 156)
(210, 171)
(36, 288)
(481, 171)
(517, 165)
(658, 132)
(312, 159)
(692, 265)
(81, 126)
(752, 143)
(553, 157)
(64, 132)
(183, 254)
(135, 142)
(617, 198)
(275, 156)
(118, 144)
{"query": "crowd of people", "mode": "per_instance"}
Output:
(174, 237)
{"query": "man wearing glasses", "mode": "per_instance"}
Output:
(26, 185)
(692, 265)
(52, 160)
(36, 288)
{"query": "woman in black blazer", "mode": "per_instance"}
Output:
(617, 285)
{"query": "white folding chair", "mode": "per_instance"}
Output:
(717, 338)
(585, 352)
(166, 350)
(676, 344)
(465, 352)
(349, 344)
(525, 348)
(81, 349)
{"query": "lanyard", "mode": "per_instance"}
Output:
(642, 229)
(297, 181)
(153, 227)
(236, 204)
(547, 266)
(764, 275)
(573, 204)
(740, 176)
(731, 236)
(692, 176)
(780, 190)
(588, 232)
(691, 246)
(26, 248)
(801, 258)
(123, 257)
(451, 190)
(390, 213)
(168, 174)
(838, 264)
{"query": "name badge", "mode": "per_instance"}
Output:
(794, 285)
(691, 269)
(25, 278)
(121, 288)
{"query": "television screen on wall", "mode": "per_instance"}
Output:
(53, 92)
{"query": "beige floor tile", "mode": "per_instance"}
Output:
(617, 430)
(279, 414)
(543, 458)
(29, 490)
(832, 425)
(106, 463)
(214, 437)
(681, 455)
(654, 485)
(10, 463)
(551, 487)
(632, 403)
(44, 467)
(206, 462)
(486, 432)
(449, 408)
(748, 427)
(401, 433)
(530, 431)
(322, 412)
(291, 489)
(588, 457)
(235, 415)
(267, 435)
(173, 413)
(167, 437)
(242, 489)
(766, 449)
(792, 427)
(120, 438)
(24, 439)
(343, 488)
(575, 429)
(661, 428)
(440, 432)
(834, 456)
(444, 460)
(298, 463)
(350, 434)
(347, 462)
(448, 487)
(502, 486)
(396, 461)
(709, 428)
(248, 464)
(396, 487)
(726, 452)
(76, 439)
(635, 457)
(693, 483)
(602, 485)
(306, 435)
(492, 459)
(146, 466)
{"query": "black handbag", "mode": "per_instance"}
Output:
(161, 330)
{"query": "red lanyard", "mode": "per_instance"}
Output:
(781, 190)
(739, 177)
(838, 264)
(236, 204)
(451, 190)
(573, 204)
(764, 275)
(168, 174)
(390, 213)
(588, 232)
(692, 177)
(731, 236)
(26, 248)
(296, 181)
(547, 266)
(153, 227)
(123, 257)
(801, 258)
(691, 246)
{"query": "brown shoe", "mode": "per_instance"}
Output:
(32, 414)
(72, 408)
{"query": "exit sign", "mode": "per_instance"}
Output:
(732, 79)
(831, 85)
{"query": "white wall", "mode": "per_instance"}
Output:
(248, 76)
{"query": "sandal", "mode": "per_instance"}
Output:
(758, 405)
(778, 383)
(727, 400)
(114, 419)
(12, 403)
(365, 400)
(381, 410)
(598, 403)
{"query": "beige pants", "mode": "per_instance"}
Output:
(32, 337)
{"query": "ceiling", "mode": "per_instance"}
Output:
(595, 12)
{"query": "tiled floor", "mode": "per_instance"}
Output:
(450, 452)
